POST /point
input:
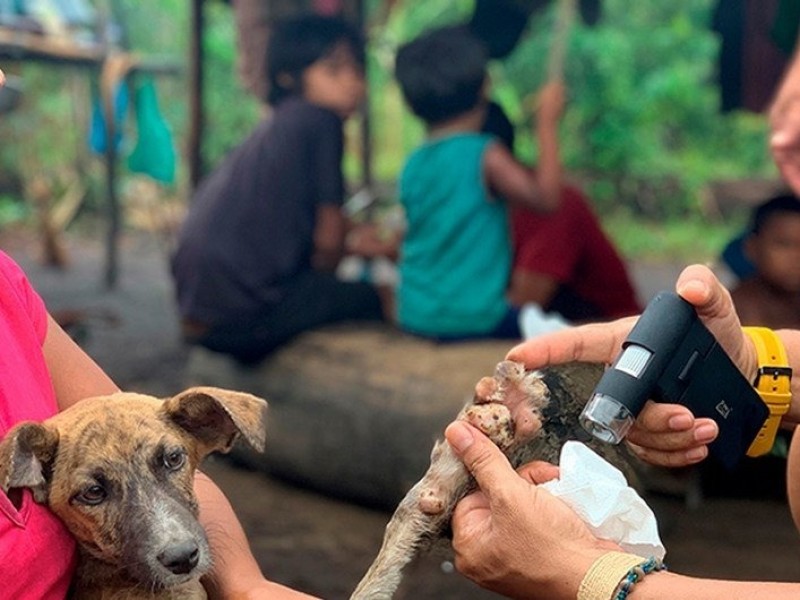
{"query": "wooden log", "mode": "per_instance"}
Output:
(354, 411)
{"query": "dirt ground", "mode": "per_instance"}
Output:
(322, 545)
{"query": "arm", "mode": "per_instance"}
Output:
(665, 434)
(74, 374)
(520, 541)
(371, 240)
(329, 236)
(516, 183)
(236, 574)
(527, 286)
(551, 105)
(784, 117)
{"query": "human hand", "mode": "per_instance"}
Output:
(664, 434)
(371, 240)
(511, 536)
(260, 590)
(550, 102)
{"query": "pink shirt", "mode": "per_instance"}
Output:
(37, 555)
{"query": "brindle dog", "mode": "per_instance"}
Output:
(119, 471)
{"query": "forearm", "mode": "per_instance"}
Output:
(663, 585)
(789, 87)
(236, 573)
(791, 341)
(548, 169)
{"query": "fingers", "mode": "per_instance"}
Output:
(484, 460)
(699, 286)
(537, 472)
(599, 342)
(668, 435)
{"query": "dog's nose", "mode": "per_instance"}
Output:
(180, 558)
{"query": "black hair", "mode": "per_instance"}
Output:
(497, 123)
(782, 203)
(441, 73)
(297, 43)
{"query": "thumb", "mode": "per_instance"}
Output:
(483, 459)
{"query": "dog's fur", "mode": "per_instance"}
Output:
(529, 415)
(119, 471)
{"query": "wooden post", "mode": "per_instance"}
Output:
(366, 124)
(114, 214)
(196, 114)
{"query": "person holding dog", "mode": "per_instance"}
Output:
(518, 540)
(44, 372)
(256, 256)
(50, 373)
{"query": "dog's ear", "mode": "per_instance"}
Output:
(216, 417)
(26, 457)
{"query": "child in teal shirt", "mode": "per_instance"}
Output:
(455, 258)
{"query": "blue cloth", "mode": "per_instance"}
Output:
(456, 256)
(736, 258)
(97, 126)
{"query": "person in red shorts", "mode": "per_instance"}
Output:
(563, 261)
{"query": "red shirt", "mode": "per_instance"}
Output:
(37, 554)
(571, 247)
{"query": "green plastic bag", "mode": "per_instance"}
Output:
(154, 154)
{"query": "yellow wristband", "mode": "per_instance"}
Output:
(603, 577)
(773, 383)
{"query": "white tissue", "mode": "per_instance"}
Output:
(601, 496)
(533, 321)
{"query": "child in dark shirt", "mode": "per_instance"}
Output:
(255, 259)
(770, 297)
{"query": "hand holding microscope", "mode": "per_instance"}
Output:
(670, 356)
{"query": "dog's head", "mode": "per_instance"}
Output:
(119, 471)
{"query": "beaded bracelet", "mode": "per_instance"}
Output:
(613, 574)
(636, 574)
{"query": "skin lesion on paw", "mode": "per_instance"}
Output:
(507, 406)
(488, 389)
(494, 420)
(431, 501)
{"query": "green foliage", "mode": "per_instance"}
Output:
(231, 112)
(692, 239)
(642, 129)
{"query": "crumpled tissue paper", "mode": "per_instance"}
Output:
(601, 496)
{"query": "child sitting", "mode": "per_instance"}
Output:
(255, 259)
(563, 261)
(770, 297)
(456, 257)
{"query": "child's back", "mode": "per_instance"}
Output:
(456, 253)
(456, 256)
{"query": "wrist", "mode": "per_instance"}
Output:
(772, 382)
(613, 575)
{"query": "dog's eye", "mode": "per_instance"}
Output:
(93, 495)
(174, 459)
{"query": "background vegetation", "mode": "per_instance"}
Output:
(642, 133)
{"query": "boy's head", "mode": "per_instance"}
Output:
(774, 242)
(442, 74)
(318, 58)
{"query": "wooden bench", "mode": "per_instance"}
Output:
(354, 410)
